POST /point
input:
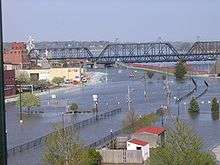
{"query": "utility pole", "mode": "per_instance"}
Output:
(129, 99)
(145, 86)
(106, 76)
(3, 136)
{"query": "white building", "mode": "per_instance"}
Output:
(135, 144)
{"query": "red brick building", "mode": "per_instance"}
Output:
(17, 54)
(9, 80)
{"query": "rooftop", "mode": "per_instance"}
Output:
(138, 142)
(153, 130)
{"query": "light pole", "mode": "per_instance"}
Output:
(3, 136)
(49, 95)
(95, 100)
(178, 112)
(129, 99)
(63, 122)
(112, 142)
(145, 86)
(20, 106)
(178, 109)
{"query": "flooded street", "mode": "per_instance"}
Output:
(113, 94)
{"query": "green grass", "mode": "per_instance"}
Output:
(146, 120)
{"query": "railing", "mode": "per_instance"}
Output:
(105, 139)
(42, 140)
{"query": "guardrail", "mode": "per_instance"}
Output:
(204, 92)
(42, 140)
(188, 94)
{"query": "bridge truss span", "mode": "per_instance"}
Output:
(205, 48)
(137, 52)
(132, 53)
(61, 53)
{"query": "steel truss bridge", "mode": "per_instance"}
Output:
(132, 53)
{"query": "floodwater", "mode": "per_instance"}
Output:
(112, 94)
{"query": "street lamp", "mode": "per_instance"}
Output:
(95, 100)
(178, 109)
(3, 135)
(20, 106)
(112, 142)
(185, 105)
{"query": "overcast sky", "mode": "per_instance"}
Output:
(128, 20)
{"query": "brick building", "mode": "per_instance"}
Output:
(9, 80)
(17, 54)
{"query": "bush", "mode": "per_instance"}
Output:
(94, 157)
(58, 80)
(73, 107)
(214, 105)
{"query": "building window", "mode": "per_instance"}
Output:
(138, 148)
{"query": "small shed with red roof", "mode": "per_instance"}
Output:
(143, 146)
(153, 135)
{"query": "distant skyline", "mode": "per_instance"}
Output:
(128, 20)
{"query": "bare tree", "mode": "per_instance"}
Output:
(64, 148)
(130, 119)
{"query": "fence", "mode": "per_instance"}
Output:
(121, 157)
(81, 124)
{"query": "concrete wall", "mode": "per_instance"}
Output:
(121, 156)
(152, 139)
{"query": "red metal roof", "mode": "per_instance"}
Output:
(153, 130)
(138, 142)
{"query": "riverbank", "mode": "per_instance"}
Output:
(168, 70)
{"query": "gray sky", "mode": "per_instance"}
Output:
(129, 20)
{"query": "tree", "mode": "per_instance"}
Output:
(182, 146)
(214, 105)
(58, 80)
(23, 78)
(28, 101)
(130, 119)
(193, 106)
(73, 107)
(180, 70)
(63, 148)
